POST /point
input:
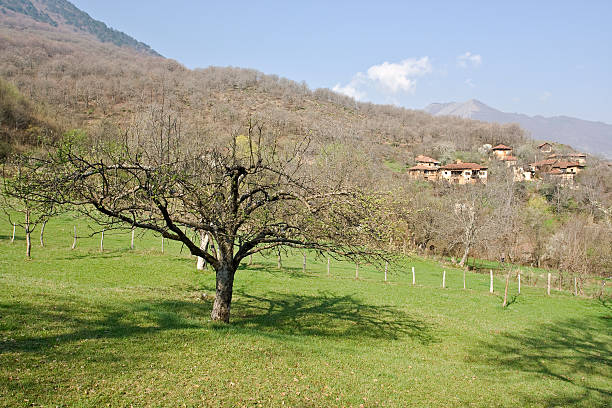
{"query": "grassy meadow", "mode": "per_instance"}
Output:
(128, 327)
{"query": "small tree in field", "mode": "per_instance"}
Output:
(250, 191)
(21, 201)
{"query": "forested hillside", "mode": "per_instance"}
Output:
(62, 80)
(61, 13)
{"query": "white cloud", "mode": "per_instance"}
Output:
(400, 76)
(469, 59)
(545, 96)
(351, 90)
(469, 82)
(388, 78)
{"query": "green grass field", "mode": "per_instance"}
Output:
(130, 328)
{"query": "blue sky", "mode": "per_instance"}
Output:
(535, 57)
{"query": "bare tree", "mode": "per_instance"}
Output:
(21, 200)
(467, 217)
(253, 190)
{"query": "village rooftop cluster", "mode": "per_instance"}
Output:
(556, 166)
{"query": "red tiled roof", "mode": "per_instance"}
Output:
(425, 159)
(463, 166)
(543, 144)
(566, 164)
(546, 162)
(501, 147)
(558, 156)
(422, 167)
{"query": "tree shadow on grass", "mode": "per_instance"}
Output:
(9, 237)
(278, 315)
(293, 272)
(110, 322)
(92, 254)
(326, 315)
(576, 353)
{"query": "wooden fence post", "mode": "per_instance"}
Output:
(204, 239)
(162, 244)
(548, 287)
(13, 237)
(74, 241)
(413, 277)
(444, 279)
(132, 241)
(357, 270)
(386, 266)
(575, 286)
(304, 262)
(102, 241)
(491, 285)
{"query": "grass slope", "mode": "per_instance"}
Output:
(121, 328)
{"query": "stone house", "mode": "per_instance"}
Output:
(463, 173)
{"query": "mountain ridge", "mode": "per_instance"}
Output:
(590, 136)
(59, 13)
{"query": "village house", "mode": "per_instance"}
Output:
(545, 147)
(500, 151)
(557, 169)
(509, 160)
(573, 157)
(464, 173)
(426, 169)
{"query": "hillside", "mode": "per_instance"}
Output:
(85, 82)
(74, 80)
(591, 137)
(63, 14)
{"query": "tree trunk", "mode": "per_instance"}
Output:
(27, 231)
(465, 255)
(13, 237)
(162, 245)
(506, 291)
(42, 234)
(223, 298)
(204, 239)
(304, 262)
(132, 242)
(280, 261)
(357, 271)
(102, 241)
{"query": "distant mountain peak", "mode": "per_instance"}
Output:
(59, 13)
(593, 137)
